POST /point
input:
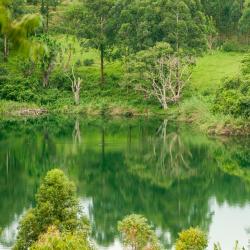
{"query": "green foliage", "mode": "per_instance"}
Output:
(232, 46)
(226, 14)
(142, 24)
(234, 96)
(88, 62)
(18, 31)
(244, 22)
(137, 234)
(192, 239)
(19, 89)
(56, 204)
(53, 239)
(49, 57)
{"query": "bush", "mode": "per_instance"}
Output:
(233, 98)
(88, 62)
(56, 205)
(19, 89)
(137, 234)
(60, 80)
(53, 239)
(192, 239)
(78, 63)
(232, 46)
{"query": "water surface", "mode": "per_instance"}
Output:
(170, 173)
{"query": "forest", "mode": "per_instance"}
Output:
(143, 104)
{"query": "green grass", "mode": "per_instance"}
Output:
(212, 68)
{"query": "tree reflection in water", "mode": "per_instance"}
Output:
(166, 172)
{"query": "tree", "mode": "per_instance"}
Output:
(17, 32)
(244, 22)
(142, 24)
(95, 21)
(226, 15)
(192, 238)
(45, 9)
(75, 86)
(48, 57)
(160, 73)
(56, 204)
(137, 234)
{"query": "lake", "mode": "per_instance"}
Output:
(168, 172)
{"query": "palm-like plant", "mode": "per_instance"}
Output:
(17, 31)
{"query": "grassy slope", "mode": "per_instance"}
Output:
(211, 69)
(207, 77)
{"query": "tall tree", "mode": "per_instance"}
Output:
(244, 23)
(94, 20)
(225, 13)
(56, 205)
(181, 23)
(45, 9)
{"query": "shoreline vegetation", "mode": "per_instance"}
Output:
(210, 124)
(61, 67)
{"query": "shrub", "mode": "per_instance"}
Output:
(192, 239)
(231, 46)
(60, 80)
(19, 89)
(233, 98)
(137, 234)
(78, 63)
(56, 205)
(88, 62)
(53, 239)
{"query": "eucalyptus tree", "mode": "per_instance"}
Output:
(226, 14)
(244, 23)
(94, 20)
(45, 9)
(182, 23)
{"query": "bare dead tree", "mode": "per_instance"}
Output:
(76, 133)
(167, 79)
(75, 85)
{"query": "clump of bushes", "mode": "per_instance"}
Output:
(233, 98)
(233, 46)
(19, 89)
(192, 238)
(53, 239)
(137, 233)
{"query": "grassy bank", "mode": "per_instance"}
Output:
(116, 100)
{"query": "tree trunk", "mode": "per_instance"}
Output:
(47, 17)
(102, 65)
(45, 79)
(77, 97)
(5, 49)
(165, 106)
(46, 75)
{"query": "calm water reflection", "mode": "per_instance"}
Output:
(173, 175)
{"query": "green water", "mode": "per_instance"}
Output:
(168, 172)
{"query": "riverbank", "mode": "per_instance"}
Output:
(193, 111)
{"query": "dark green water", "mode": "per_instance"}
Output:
(170, 173)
